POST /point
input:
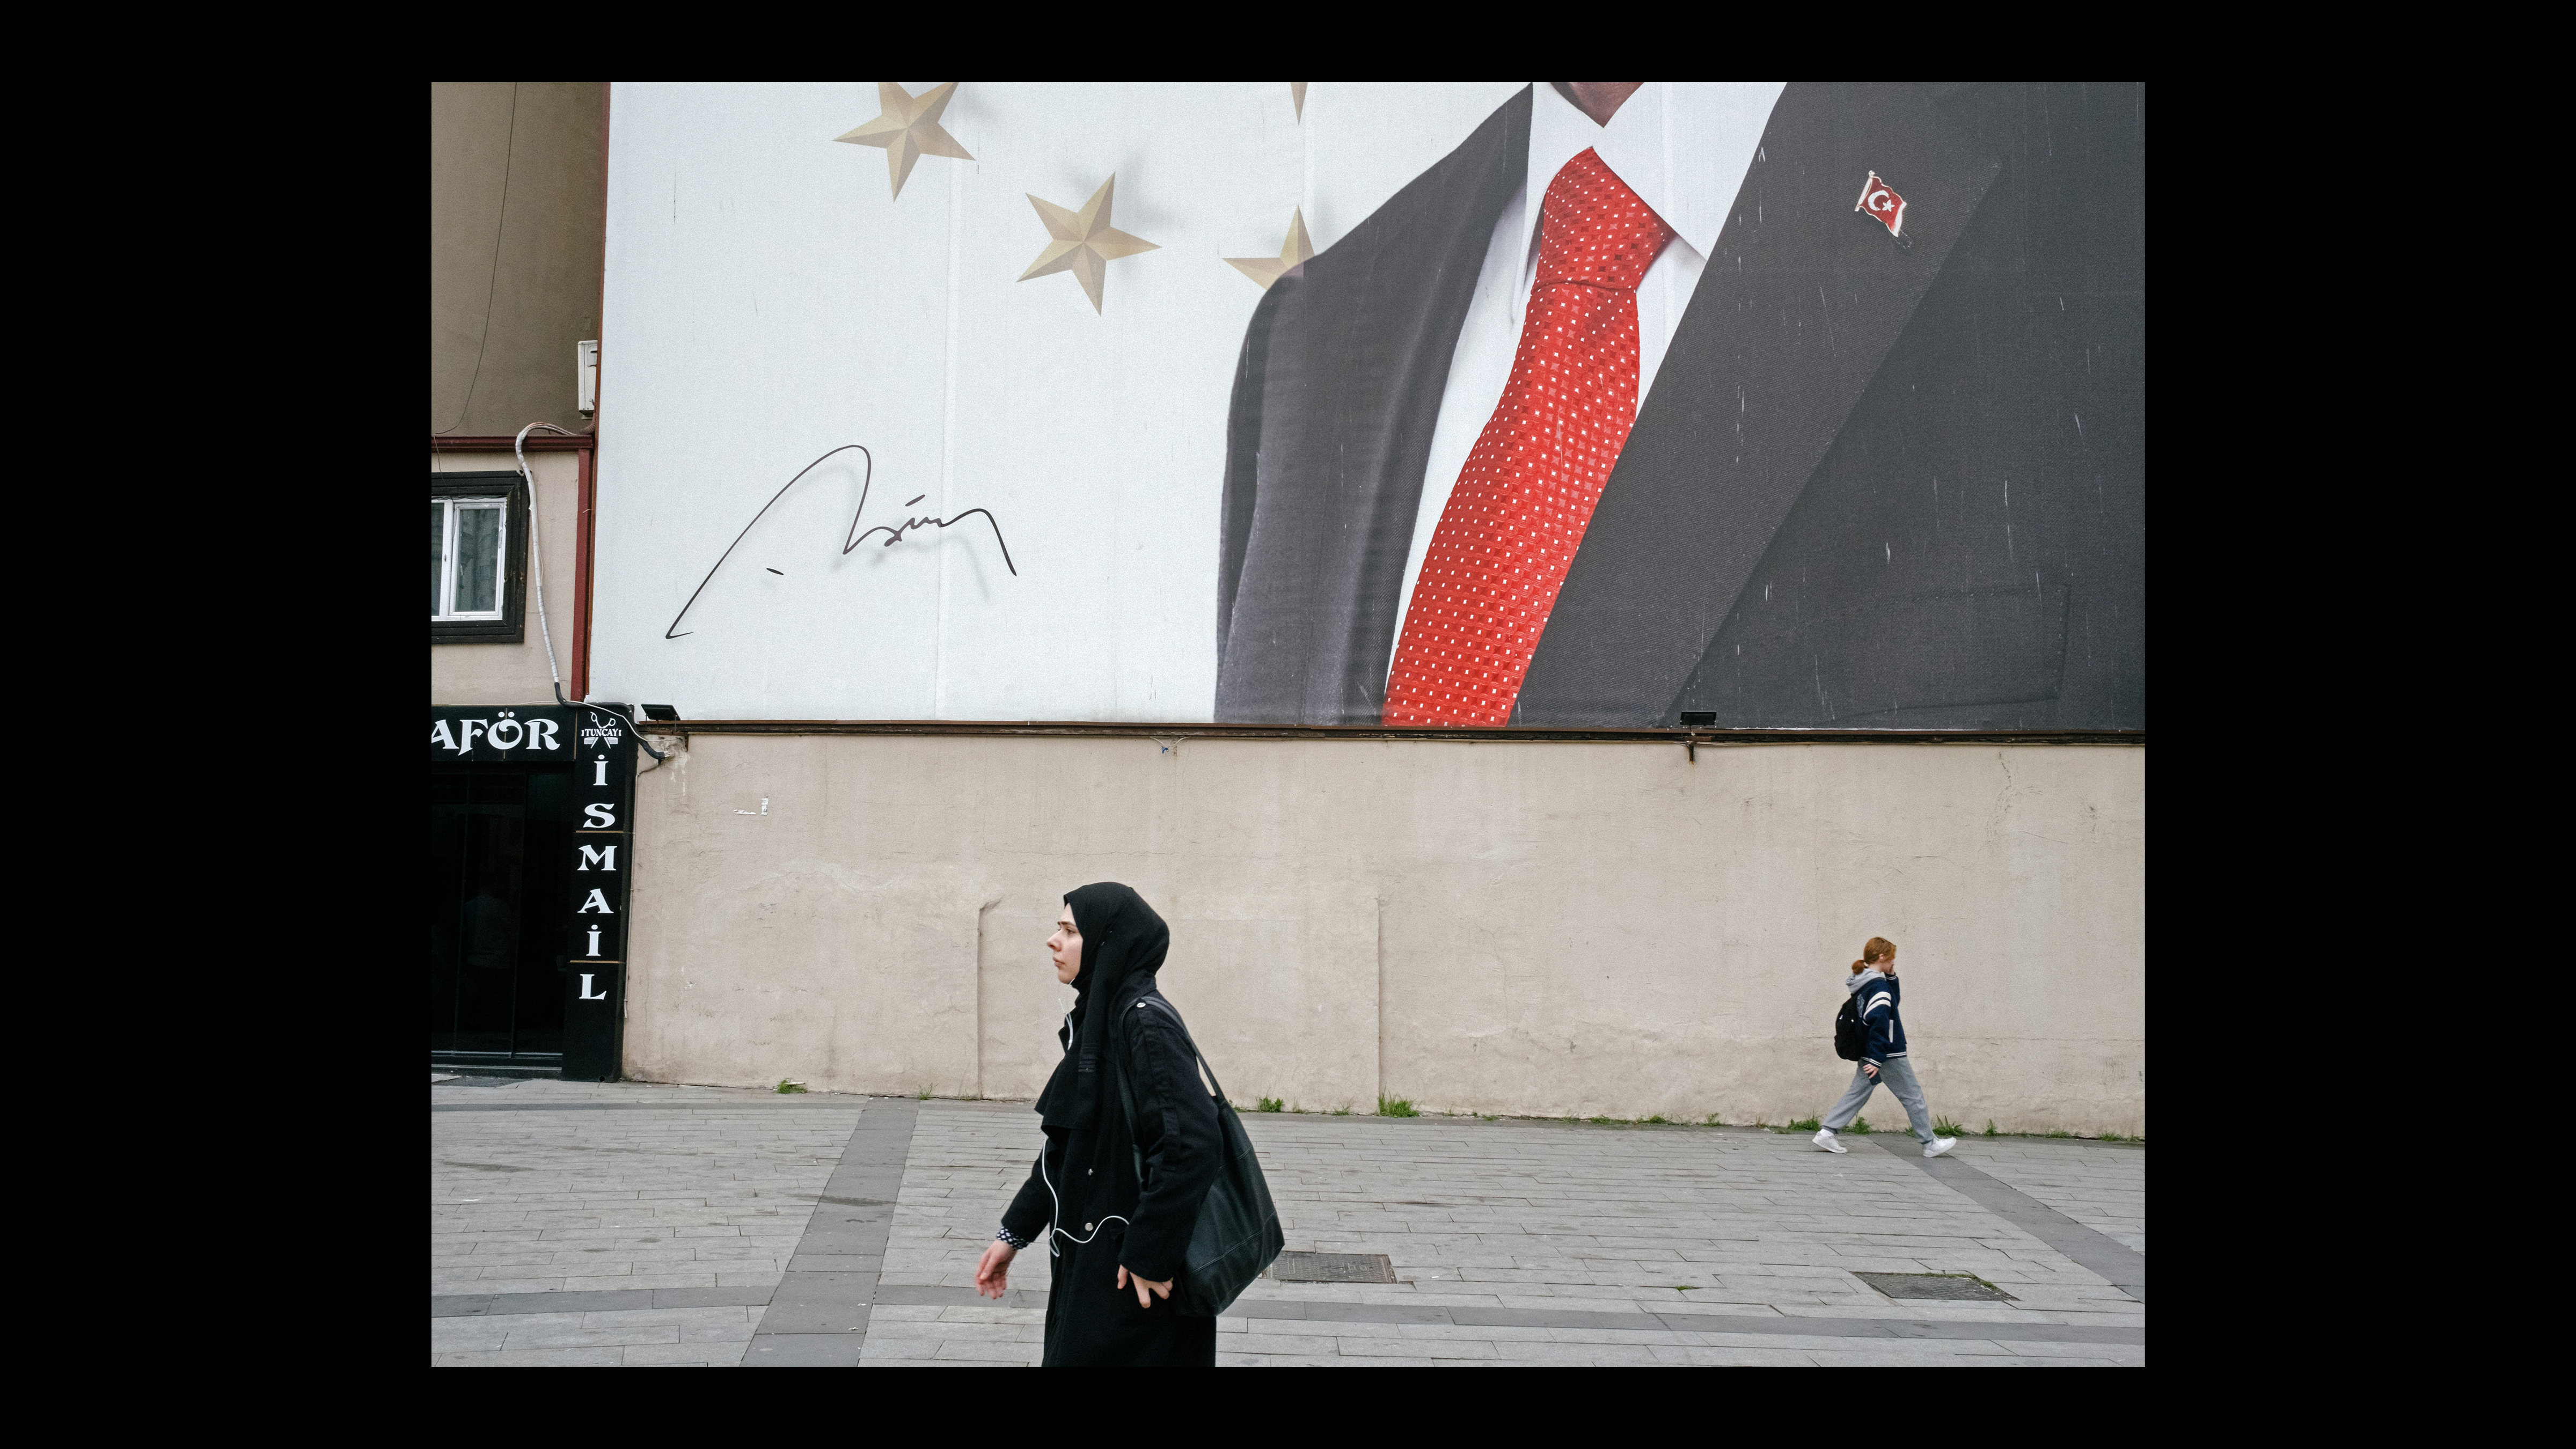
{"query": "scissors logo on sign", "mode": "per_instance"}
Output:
(1880, 200)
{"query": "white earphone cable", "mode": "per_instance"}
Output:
(1055, 1218)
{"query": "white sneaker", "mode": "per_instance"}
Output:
(1939, 1145)
(1825, 1140)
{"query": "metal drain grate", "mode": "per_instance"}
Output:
(1333, 1268)
(1954, 1286)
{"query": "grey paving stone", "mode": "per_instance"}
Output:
(916, 1293)
(866, 1265)
(567, 1337)
(597, 1357)
(785, 1104)
(1505, 1236)
(809, 1316)
(1417, 1350)
(2115, 1262)
(709, 1297)
(468, 1335)
(832, 1277)
(904, 1346)
(678, 1355)
(2101, 1185)
(682, 1318)
(802, 1350)
(956, 1351)
(588, 1184)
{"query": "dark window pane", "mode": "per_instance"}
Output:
(478, 559)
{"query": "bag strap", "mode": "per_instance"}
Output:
(1127, 1089)
(1195, 1054)
(1127, 1100)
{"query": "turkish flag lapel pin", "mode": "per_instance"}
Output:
(1880, 201)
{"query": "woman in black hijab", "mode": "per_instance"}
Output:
(1118, 1241)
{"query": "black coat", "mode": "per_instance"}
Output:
(1873, 485)
(1106, 1221)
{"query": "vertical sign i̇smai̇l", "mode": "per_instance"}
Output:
(601, 863)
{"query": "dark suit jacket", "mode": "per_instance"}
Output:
(1872, 486)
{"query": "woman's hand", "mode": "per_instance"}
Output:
(1161, 1290)
(992, 1276)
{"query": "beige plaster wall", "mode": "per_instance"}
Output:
(517, 206)
(1540, 929)
(516, 673)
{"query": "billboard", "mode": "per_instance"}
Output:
(1563, 404)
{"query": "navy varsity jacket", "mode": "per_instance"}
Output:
(1878, 1008)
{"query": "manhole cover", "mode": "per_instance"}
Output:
(1934, 1285)
(1333, 1268)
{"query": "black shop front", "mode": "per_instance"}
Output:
(530, 849)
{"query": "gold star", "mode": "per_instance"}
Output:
(1292, 253)
(908, 129)
(1085, 243)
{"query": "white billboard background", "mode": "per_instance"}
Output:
(767, 302)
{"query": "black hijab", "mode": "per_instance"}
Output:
(1123, 943)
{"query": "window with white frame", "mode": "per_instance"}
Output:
(478, 558)
(469, 542)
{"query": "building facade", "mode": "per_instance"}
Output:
(530, 845)
(992, 502)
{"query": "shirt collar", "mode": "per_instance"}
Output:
(1682, 146)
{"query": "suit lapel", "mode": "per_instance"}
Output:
(1335, 399)
(1787, 327)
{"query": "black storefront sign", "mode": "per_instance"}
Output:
(600, 863)
(504, 734)
(531, 852)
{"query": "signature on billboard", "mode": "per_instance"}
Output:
(894, 534)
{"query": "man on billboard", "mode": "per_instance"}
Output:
(1804, 405)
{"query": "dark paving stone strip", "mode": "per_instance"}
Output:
(1653, 1322)
(782, 1104)
(1462, 1316)
(615, 1299)
(915, 1295)
(2123, 1266)
(820, 1313)
(591, 1300)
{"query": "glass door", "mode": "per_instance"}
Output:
(496, 966)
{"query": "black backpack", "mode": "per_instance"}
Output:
(1237, 1234)
(1851, 1034)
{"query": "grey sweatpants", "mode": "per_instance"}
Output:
(1897, 1075)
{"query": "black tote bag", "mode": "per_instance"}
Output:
(1237, 1234)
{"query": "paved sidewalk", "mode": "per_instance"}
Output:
(656, 1220)
(642, 1224)
(2102, 1189)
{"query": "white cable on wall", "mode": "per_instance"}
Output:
(519, 447)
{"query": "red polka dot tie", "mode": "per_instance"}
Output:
(1522, 502)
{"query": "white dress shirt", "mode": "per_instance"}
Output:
(1684, 148)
